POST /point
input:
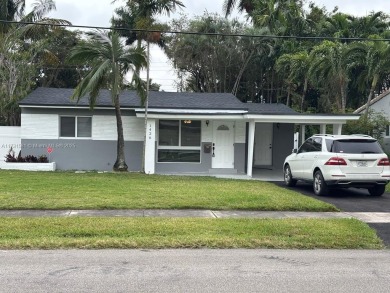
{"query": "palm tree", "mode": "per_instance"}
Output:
(110, 61)
(140, 14)
(247, 5)
(296, 67)
(375, 56)
(330, 67)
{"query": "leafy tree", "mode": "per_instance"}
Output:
(375, 57)
(110, 60)
(375, 125)
(22, 50)
(330, 69)
(217, 63)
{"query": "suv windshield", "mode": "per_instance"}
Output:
(355, 146)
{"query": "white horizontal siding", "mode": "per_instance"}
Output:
(240, 132)
(104, 128)
(40, 126)
(133, 128)
(9, 137)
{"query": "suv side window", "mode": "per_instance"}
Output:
(307, 146)
(317, 144)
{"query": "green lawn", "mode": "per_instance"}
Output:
(69, 190)
(99, 233)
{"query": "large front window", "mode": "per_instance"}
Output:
(179, 141)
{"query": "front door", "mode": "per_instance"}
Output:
(223, 145)
(263, 144)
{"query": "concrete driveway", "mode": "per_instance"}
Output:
(353, 200)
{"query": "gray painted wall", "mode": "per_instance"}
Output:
(172, 168)
(283, 143)
(72, 154)
(240, 157)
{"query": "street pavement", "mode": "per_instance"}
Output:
(201, 270)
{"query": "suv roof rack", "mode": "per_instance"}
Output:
(363, 135)
(323, 134)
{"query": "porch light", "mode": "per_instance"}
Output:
(187, 121)
(207, 123)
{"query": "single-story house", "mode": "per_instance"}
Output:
(380, 103)
(186, 132)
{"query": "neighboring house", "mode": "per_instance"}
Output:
(379, 104)
(186, 132)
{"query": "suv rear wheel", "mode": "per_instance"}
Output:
(288, 179)
(377, 190)
(319, 184)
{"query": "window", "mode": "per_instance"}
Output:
(311, 145)
(179, 141)
(75, 126)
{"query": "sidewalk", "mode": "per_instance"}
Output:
(365, 217)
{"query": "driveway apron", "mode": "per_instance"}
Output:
(352, 200)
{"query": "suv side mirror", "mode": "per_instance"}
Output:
(294, 151)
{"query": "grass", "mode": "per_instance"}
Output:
(69, 190)
(99, 233)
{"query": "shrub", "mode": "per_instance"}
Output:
(10, 158)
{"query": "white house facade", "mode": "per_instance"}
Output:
(198, 133)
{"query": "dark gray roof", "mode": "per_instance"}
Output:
(158, 100)
(262, 108)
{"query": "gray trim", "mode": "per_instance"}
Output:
(72, 154)
(240, 157)
(76, 112)
(171, 168)
(283, 143)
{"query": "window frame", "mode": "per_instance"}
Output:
(179, 147)
(76, 124)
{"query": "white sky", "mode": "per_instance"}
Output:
(99, 13)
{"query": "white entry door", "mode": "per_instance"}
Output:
(223, 145)
(263, 144)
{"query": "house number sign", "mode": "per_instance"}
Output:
(150, 131)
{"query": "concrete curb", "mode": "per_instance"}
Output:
(365, 217)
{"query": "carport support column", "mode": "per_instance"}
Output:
(337, 129)
(302, 134)
(322, 128)
(150, 146)
(251, 142)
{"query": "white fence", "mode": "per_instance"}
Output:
(10, 136)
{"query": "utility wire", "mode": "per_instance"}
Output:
(193, 33)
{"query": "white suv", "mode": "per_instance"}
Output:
(334, 161)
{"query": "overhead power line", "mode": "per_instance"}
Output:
(193, 33)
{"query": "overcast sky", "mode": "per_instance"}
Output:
(99, 12)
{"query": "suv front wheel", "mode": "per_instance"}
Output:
(319, 184)
(288, 179)
(377, 190)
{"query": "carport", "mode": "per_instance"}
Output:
(282, 141)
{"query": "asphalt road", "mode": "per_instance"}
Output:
(195, 271)
(352, 200)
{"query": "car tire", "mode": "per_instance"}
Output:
(319, 185)
(288, 179)
(377, 190)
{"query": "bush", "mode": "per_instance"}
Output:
(10, 158)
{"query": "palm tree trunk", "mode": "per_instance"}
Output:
(120, 164)
(304, 93)
(371, 94)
